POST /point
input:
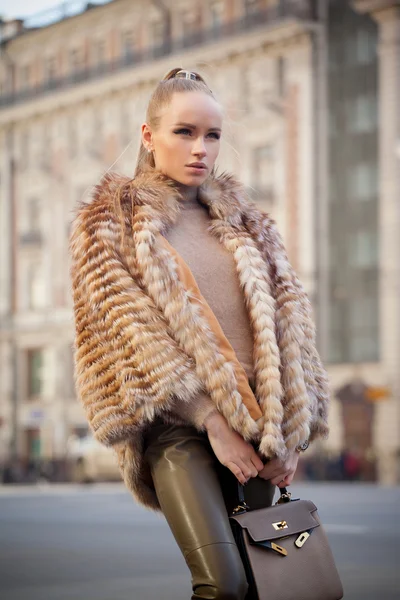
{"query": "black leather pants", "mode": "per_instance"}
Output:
(196, 494)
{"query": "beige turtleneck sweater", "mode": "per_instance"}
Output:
(214, 269)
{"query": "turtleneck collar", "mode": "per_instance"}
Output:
(187, 196)
(161, 201)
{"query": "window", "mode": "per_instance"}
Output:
(363, 313)
(252, 6)
(45, 153)
(7, 83)
(336, 315)
(362, 113)
(129, 45)
(264, 162)
(217, 13)
(51, 69)
(24, 149)
(364, 346)
(25, 77)
(36, 287)
(34, 372)
(32, 230)
(363, 325)
(280, 75)
(363, 249)
(354, 329)
(190, 23)
(362, 48)
(69, 381)
(157, 33)
(99, 53)
(337, 319)
(93, 144)
(76, 60)
(33, 215)
(336, 351)
(363, 181)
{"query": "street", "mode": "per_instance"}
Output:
(65, 542)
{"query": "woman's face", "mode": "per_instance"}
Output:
(186, 142)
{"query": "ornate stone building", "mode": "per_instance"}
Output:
(73, 92)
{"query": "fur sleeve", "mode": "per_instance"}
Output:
(127, 368)
(315, 375)
(293, 300)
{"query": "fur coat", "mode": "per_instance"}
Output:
(144, 341)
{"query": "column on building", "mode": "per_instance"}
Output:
(388, 422)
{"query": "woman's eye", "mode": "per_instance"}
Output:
(184, 131)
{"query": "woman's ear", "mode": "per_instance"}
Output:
(147, 138)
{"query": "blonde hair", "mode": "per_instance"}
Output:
(176, 80)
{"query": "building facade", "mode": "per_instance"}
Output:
(364, 215)
(73, 94)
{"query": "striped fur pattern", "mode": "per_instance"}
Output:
(141, 344)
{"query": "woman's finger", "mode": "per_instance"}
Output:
(289, 478)
(233, 467)
(282, 484)
(248, 469)
(280, 478)
(271, 470)
(257, 462)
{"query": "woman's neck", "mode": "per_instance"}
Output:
(189, 193)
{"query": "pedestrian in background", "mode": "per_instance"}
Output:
(195, 343)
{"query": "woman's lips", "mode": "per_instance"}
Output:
(197, 169)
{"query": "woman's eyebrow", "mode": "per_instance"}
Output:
(189, 125)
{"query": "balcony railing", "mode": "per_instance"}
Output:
(285, 9)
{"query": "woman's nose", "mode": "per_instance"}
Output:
(199, 147)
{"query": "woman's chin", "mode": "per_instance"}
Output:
(192, 180)
(187, 179)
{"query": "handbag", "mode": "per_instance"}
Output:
(285, 551)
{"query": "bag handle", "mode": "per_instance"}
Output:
(244, 507)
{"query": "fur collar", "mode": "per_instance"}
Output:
(224, 197)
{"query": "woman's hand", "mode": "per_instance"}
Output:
(281, 472)
(231, 449)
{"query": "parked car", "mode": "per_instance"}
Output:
(90, 461)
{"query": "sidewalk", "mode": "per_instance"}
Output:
(44, 487)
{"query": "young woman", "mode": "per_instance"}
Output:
(195, 344)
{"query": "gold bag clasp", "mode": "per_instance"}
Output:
(280, 525)
(279, 549)
(301, 540)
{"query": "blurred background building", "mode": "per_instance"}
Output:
(311, 91)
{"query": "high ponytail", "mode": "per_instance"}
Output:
(176, 80)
